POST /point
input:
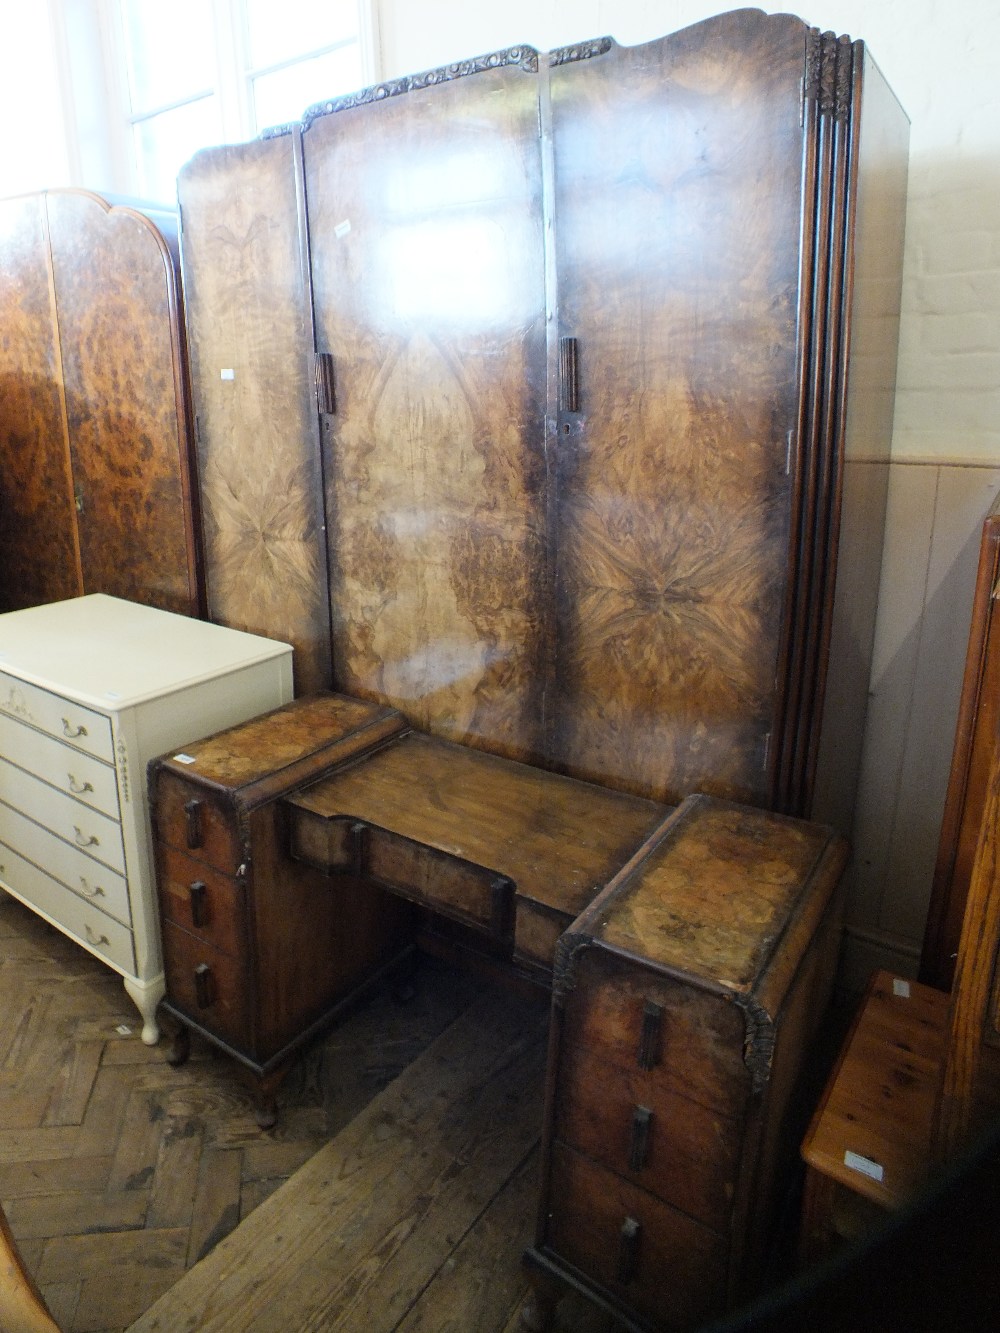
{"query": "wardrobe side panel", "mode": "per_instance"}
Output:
(250, 343)
(117, 305)
(873, 300)
(678, 181)
(425, 224)
(38, 555)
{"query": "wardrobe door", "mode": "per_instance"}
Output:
(38, 553)
(118, 312)
(425, 227)
(678, 224)
(250, 340)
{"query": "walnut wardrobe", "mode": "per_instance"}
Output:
(97, 493)
(547, 398)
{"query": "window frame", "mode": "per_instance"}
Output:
(234, 76)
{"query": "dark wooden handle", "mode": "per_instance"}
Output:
(649, 1040)
(203, 985)
(569, 373)
(196, 895)
(192, 811)
(628, 1249)
(326, 399)
(639, 1148)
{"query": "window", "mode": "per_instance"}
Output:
(203, 72)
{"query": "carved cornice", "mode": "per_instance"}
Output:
(566, 55)
(828, 75)
(522, 57)
(843, 95)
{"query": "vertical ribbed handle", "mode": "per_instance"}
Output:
(196, 896)
(569, 373)
(649, 1038)
(628, 1250)
(192, 813)
(203, 985)
(326, 399)
(639, 1147)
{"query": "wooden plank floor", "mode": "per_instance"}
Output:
(396, 1192)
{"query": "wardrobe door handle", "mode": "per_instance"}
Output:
(192, 813)
(203, 985)
(569, 373)
(628, 1250)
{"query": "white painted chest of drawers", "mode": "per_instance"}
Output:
(91, 689)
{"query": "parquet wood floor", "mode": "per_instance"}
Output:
(118, 1173)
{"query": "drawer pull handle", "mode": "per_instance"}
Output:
(196, 896)
(192, 811)
(649, 1041)
(642, 1117)
(85, 839)
(95, 892)
(78, 788)
(203, 985)
(101, 941)
(628, 1250)
(70, 732)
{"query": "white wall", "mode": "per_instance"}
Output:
(940, 59)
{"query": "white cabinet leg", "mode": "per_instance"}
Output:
(146, 997)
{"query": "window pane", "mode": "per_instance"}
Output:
(164, 143)
(285, 94)
(280, 31)
(169, 51)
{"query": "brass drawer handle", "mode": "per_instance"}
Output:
(628, 1250)
(203, 985)
(196, 899)
(192, 813)
(78, 788)
(100, 941)
(95, 892)
(649, 1039)
(70, 732)
(83, 839)
(642, 1118)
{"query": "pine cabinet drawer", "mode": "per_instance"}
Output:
(687, 1041)
(107, 938)
(680, 1151)
(78, 825)
(95, 883)
(197, 898)
(189, 819)
(647, 1254)
(71, 722)
(207, 986)
(90, 780)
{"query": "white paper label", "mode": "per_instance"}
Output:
(341, 229)
(863, 1164)
(185, 758)
(227, 374)
(901, 988)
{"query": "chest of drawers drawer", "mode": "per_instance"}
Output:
(209, 986)
(78, 825)
(110, 939)
(200, 900)
(70, 771)
(63, 718)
